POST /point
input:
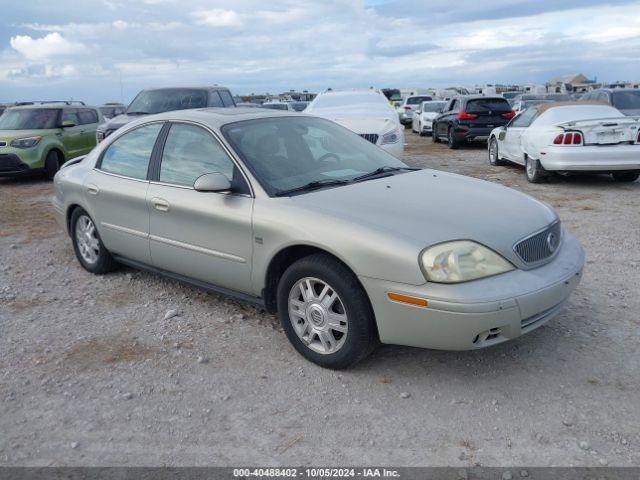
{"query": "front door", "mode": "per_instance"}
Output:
(72, 137)
(116, 192)
(206, 236)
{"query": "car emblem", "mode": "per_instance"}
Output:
(552, 242)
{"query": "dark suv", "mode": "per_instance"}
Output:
(158, 100)
(469, 118)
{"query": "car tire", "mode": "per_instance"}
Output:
(434, 135)
(420, 130)
(359, 335)
(452, 143)
(87, 244)
(494, 153)
(625, 177)
(413, 130)
(51, 164)
(534, 170)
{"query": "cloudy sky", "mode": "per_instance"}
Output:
(105, 50)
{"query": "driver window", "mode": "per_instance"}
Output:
(190, 152)
(524, 119)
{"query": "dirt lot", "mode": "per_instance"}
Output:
(91, 372)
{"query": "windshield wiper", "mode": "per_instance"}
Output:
(379, 171)
(312, 186)
(137, 113)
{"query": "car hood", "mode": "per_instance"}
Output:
(429, 207)
(369, 119)
(8, 135)
(119, 121)
(633, 112)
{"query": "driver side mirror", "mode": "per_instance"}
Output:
(212, 182)
(67, 124)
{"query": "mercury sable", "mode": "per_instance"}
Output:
(346, 243)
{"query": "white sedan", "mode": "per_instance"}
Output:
(365, 112)
(422, 120)
(560, 137)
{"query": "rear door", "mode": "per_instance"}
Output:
(206, 236)
(491, 112)
(116, 192)
(447, 117)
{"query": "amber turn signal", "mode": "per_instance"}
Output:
(419, 302)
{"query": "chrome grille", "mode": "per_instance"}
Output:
(371, 137)
(541, 245)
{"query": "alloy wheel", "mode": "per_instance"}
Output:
(318, 315)
(87, 239)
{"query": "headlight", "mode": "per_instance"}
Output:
(391, 137)
(461, 261)
(26, 142)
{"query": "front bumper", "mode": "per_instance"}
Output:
(395, 149)
(480, 313)
(591, 158)
(11, 165)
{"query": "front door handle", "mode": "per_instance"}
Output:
(160, 204)
(92, 189)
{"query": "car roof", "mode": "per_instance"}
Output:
(188, 87)
(49, 106)
(480, 97)
(218, 116)
(351, 92)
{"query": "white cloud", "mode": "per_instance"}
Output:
(51, 45)
(218, 17)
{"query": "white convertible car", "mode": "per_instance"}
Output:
(570, 137)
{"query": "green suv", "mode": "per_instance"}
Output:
(41, 137)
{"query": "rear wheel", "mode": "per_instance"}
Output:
(90, 250)
(51, 164)
(534, 170)
(625, 177)
(325, 312)
(452, 143)
(494, 155)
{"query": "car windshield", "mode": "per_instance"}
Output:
(627, 100)
(432, 106)
(275, 106)
(29, 119)
(290, 152)
(158, 101)
(417, 100)
(111, 111)
(299, 106)
(488, 105)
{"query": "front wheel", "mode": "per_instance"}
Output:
(434, 133)
(625, 177)
(452, 143)
(51, 165)
(90, 251)
(325, 312)
(494, 156)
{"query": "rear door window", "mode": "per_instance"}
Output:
(129, 155)
(524, 119)
(486, 105)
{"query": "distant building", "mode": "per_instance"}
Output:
(576, 82)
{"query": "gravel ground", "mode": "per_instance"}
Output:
(93, 373)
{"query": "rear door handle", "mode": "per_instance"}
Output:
(92, 189)
(160, 204)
